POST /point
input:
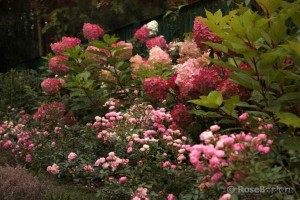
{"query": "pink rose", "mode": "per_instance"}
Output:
(243, 116)
(72, 156)
(123, 179)
(226, 196)
(171, 197)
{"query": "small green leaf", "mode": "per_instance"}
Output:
(245, 80)
(289, 119)
(205, 114)
(213, 100)
(217, 46)
(269, 6)
(289, 143)
(288, 97)
(216, 96)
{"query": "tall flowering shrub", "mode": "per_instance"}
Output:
(89, 73)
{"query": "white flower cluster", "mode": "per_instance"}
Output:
(152, 27)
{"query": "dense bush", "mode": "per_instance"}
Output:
(16, 183)
(20, 90)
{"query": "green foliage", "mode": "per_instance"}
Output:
(264, 35)
(213, 100)
(96, 76)
(269, 43)
(20, 90)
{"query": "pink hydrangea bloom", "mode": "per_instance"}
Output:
(58, 47)
(202, 33)
(157, 55)
(54, 169)
(72, 156)
(137, 62)
(70, 42)
(187, 50)
(51, 85)
(155, 88)
(230, 89)
(54, 110)
(57, 66)
(92, 31)
(181, 116)
(67, 42)
(207, 80)
(91, 54)
(157, 41)
(127, 48)
(187, 71)
(194, 80)
(142, 34)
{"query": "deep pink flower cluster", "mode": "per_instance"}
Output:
(142, 34)
(245, 66)
(195, 79)
(57, 66)
(66, 42)
(206, 81)
(51, 85)
(157, 41)
(181, 116)
(92, 31)
(202, 33)
(229, 89)
(51, 111)
(155, 88)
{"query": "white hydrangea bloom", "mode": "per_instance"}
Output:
(152, 27)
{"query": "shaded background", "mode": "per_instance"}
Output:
(27, 27)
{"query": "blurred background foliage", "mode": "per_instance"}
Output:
(27, 27)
